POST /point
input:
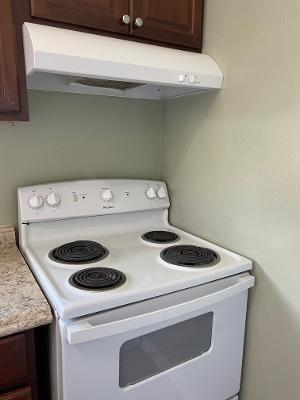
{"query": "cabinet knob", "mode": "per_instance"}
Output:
(139, 22)
(126, 19)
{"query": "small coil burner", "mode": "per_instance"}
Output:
(160, 237)
(79, 252)
(97, 279)
(190, 256)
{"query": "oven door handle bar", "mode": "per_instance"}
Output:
(84, 331)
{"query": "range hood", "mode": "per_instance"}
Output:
(69, 61)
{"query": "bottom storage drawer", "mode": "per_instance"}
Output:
(20, 394)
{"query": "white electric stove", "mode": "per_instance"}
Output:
(142, 309)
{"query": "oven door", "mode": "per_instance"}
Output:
(185, 345)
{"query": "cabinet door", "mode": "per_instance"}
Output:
(9, 96)
(99, 14)
(14, 369)
(172, 21)
(20, 394)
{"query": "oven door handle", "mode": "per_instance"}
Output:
(80, 332)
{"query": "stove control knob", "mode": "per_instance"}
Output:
(150, 193)
(106, 195)
(161, 193)
(53, 199)
(36, 201)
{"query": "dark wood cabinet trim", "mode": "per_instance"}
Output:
(20, 394)
(31, 361)
(17, 48)
(9, 99)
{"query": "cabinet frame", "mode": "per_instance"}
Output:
(9, 96)
(12, 63)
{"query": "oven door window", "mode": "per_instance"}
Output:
(148, 355)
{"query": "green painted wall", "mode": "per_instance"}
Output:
(74, 137)
(232, 162)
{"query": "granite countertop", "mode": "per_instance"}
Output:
(22, 303)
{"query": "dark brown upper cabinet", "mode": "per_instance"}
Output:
(9, 96)
(175, 23)
(13, 97)
(98, 14)
(171, 21)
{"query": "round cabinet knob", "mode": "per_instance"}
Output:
(36, 201)
(106, 195)
(126, 19)
(161, 193)
(139, 22)
(53, 199)
(151, 194)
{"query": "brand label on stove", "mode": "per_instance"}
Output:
(108, 207)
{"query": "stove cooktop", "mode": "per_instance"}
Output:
(103, 278)
(143, 269)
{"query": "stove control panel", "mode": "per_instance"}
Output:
(90, 198)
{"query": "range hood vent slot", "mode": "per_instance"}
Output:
(104, 83)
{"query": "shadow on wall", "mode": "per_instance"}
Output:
(262, 341)
(183, 131)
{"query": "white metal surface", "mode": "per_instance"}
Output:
(215, 374)
(91, 327)
(118, 225)
(52, 55)
(147, 275)
(90, 198)
(154, 311)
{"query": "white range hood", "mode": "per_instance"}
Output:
(76, 62)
